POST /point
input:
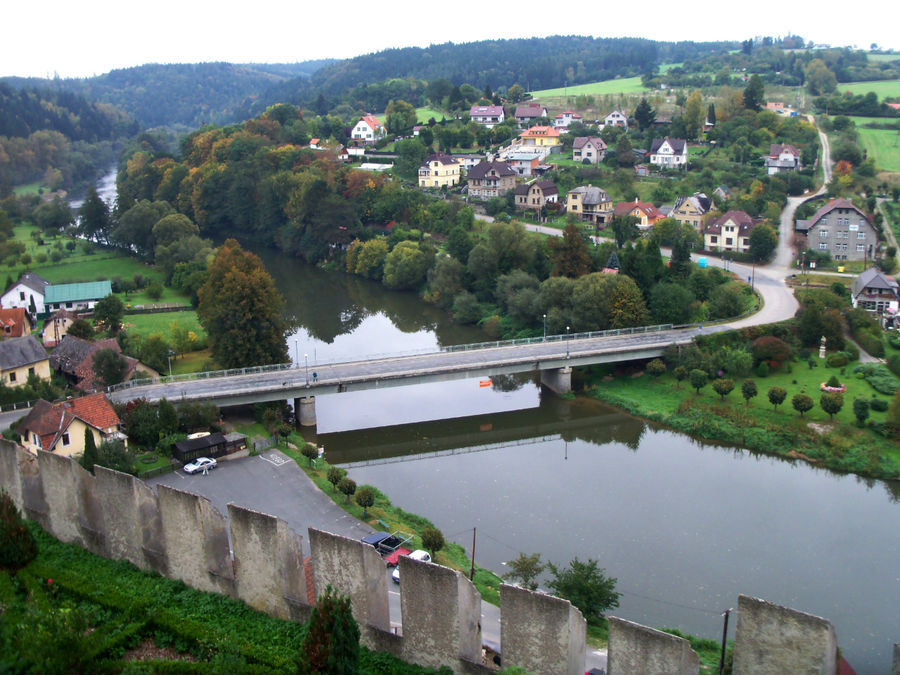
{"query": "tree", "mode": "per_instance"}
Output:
(802, 403)
(167, 417)
(365, 498)
(586, 586)
(109, 366)
(80, 328)
(644, 115)
(754, 93)
(698, 379)
(400, 117)
(656, 368)
(89, 457)
(526, 569)
(17, 544)
(711, 114)
(569, 255)
(861, 410)
(515, 93)
(776, 396)
(310, 452)
(680, 373)
(240, 308)
(749, 390)
(347, 486)
(763, 240)
(405, 266)
(94, 217)
(108, 313)
(693, 115)
(625, 229)
(432, 540)
(831, 402)
(331, 644)
(723, 387)
(819, 78)
(671, 303)
(335, 475)
(624, 152)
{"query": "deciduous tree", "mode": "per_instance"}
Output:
(754, 93)
(365, 497)
(347, 486)
(586, 586)
(749, 390)
(776, 396)
(525, 569)
(432, 540)
(17, 544)
(109, 366)
(569, 255)
(698, 379)
(108, 313)
(831, 402)
(802, 403)
(335, 475)
(723, 387)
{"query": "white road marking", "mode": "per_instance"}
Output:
(276, 459)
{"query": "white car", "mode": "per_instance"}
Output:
(200, 464)
(418, 554)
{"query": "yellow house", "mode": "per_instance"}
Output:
(540, 137)
(440, 170)
(60, 427)
(21, 357)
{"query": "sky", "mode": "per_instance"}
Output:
(92, 37)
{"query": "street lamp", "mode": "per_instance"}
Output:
(545, 328)
(297, 352)
(306, 361)
(169, 357)
(567, 342)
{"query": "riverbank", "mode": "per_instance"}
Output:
(834, 443)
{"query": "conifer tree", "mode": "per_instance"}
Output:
(89, 458)
(331, 645)
(17, 545)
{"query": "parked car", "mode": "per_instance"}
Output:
(418, 554)
(200, 464)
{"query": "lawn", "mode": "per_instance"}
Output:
(883, 58)
(28, 189)
(425, 114)
(626, 85)
(883, 145)
(881, 87)
(147, 324)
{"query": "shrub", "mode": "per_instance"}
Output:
(769, 348)
(762, 370)
(347, 486)
(860, 410)
(837, 360)
(56, 256)
(894, 342)
(17, 545)
(748, 390)
(878, 377)
(851, 350)
(698, 379)
(777, 396)
(331, 644)
(365, 497)
(833, 381)
(155, 290)
(894, 364)
(680, 374)
(878, 404)
(723, 387)
(656, 368)
(831, 402)
(870, 342)
(802, 403)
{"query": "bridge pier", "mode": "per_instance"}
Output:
(305, 411)
(557, 380)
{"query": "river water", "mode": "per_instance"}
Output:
(684, 526)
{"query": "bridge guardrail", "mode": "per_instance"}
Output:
(492, 344)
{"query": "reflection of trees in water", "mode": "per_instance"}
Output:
(627, 431)
(509, 382)
(892, 487)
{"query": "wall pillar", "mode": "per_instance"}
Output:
(305, 411)
(557, 380)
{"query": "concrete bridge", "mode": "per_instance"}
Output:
(553, 356)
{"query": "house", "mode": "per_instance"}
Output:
(14, 322)
(490, 179)
(78, 297)
(591, 204)
(526, 114)
(466, 162)
(368, 130)
(74, 358)
(524, 163)
(641, 170)
(691, 210)
(588, 149)
(782, 158)
(487, 115)
(841, 229)
(729, 232)
(439, 170)
(27, 292)
(875, 292)
(669, 153)
(21, 357)
(314, 144)
(617, 118)
(563, 120)
(541, 137)
(57, 326)
(646, 213)
(60, 427)
(722, 193)
(536, 195)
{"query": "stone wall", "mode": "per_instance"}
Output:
(183, 536)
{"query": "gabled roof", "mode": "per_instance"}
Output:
(698, 200)
(624, 208)
(21, 351)
(32, 281)
(568, 113)
(616, 113)
(678, 145)
(69, 353)
(372, 121)
(548, 187)
(92, 290)
(84, 371)
(481, 170)
(590, 195)
(50, 420)
(874, 279)
(739, 218)
(530, 110)
(839, 203)
(540, 131)
(441, 157)
(776, 149)
(13, 321)
(581, 141)
(489, 110)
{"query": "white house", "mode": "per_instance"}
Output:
(617, 118)
(487, 115)
(368, 129)
(669, 153)
(77, 297)
(782, 158)
(563, 120)
(28, 290)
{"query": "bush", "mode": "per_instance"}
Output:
(894, 364)
(894, 342)
(878, 404)
(762, 370)
(879, 377)
(17, 545)
(837, 360)
(155, 290)
(833, 381)
(851, 350)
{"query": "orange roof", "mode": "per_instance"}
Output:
(95, 410)
(372, 121)
(12, 322)
(540, 131)
(51, 420)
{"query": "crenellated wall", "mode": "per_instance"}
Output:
(183, 536)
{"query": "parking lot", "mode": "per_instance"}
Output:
(271, 483)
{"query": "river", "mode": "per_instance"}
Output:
(684, 526)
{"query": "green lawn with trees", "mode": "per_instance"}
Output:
(623, 85)
(883, 88)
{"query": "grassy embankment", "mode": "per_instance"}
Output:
(837, 444)
(72, 611)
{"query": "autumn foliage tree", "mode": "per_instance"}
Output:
(240, 308)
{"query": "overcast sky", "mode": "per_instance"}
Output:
(91, 37)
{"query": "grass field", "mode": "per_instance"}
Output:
(147, 324)
(882, 145)
(881, 87)
(627, 85)
(883, 58)
(27, 189)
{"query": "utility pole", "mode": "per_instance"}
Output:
(472, 571)
(724, 633)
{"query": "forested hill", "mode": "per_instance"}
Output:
(188, 95)
(25, 111)
(534, 63)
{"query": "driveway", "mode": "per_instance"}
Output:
(270, 483)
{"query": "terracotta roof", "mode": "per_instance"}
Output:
(624, 208)
(84, 371)
(372, 121)
(69, 353)
(12, 321)
(740, 218)
(95, 410)
(540, 131)
(50, 420)
(21, 351)
(481, 170)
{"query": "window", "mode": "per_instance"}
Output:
(31, 371)
(823, 246)
(21, 295)
(65, 439)
(860, 248)
(713, 239)
(860, 235)
(12, 376)
(823, 234)
(35, 439)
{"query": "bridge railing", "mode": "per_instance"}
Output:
(491, 344)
